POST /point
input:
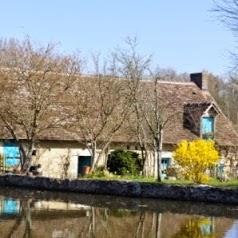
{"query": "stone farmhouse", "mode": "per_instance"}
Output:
(189, 110)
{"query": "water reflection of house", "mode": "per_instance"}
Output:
(55, 205)
(103, 222)
(9, 207)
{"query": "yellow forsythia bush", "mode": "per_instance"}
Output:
(195, 157)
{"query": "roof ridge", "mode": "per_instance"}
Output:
(176, 82)
(142, 80)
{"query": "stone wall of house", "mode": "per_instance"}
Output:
(229, 158)
(60, 159)
(125, 188)
(57, 158)
(54, 155)
(59, 163)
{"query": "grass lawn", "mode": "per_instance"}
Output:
(233, 183)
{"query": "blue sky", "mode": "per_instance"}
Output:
(183, 34)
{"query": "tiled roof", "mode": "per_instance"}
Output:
(174, 95)
(180, 94)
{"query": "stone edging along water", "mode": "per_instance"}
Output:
(125, 188)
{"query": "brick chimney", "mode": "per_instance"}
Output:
(200, 79)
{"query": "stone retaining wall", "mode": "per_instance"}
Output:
(125, 188)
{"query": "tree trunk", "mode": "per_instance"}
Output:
(26, 157)
(159, 148)
(93, 160)
(27, 161)
(158, 225)
(144, 155)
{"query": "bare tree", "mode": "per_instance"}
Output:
(34, 81)
(227, 12)
(229, 97)
(101, 107)
(135, 67)
(170, 74)
(151, 111)
(157, 112)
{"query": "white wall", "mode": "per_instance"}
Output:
(53, 155)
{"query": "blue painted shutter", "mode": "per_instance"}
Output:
(10, 206)
(207, 125)
(11, 153)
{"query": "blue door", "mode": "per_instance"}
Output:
(82, 162)
(11, 154)
(165, 163)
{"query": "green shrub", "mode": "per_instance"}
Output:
(123, 162)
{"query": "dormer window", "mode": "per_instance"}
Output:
(207, 127)
(199, 118)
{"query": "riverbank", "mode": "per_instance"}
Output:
(123, 203)
(193, 193)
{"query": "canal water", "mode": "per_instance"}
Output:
(26, 213)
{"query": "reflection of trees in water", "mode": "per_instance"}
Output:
(95, 216)
(24, 217)
(196, 228)
(97, 225)
(101, 222)
(154, 231)
(104, 222)
(141, 226)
